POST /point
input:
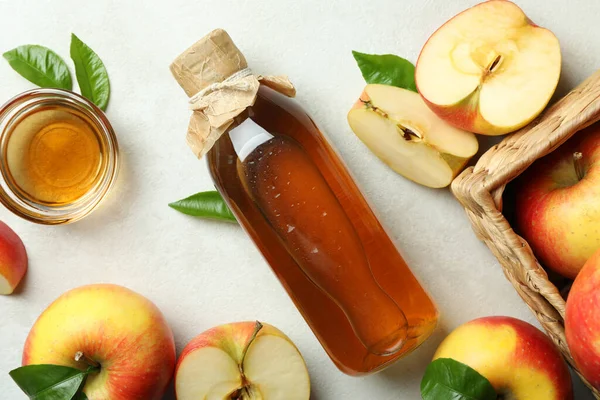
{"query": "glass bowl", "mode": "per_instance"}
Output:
(20, 201)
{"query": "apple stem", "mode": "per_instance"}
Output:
(80, 356)
(578, 163)
(257, 327)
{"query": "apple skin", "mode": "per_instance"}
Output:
(465, 115)
(114, 326)
(582, 320)
(517, 358)
(232, 338)
(13, 259)
(558, 215)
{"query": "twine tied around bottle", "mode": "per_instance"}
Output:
(215, 107)
(215, 75)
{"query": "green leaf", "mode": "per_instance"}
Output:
(447, 379)
(91, 73)
(205, 204)
(40, 65)
(386, 69)
(50, 382)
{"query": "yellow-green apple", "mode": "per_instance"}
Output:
(520, 361)
(115, 327)
(242, 360)
(405, 134)
(582, 320)
(489, 70)
(13, 259)
(557, 207)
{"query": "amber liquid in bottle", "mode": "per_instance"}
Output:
(296, 199)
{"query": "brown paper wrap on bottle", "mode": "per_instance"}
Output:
(215, 75)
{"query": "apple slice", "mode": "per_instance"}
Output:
(403, 132)
(244, 360)
(489, 69)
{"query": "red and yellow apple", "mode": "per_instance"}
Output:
(557, 207)
(115, 327)
(13, 259)
(489, 70)
(520, 361)
(243, 360)
(582, 320)
(399, 128)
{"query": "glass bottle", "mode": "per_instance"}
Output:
(295, 198)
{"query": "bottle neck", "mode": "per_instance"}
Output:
(247, 136)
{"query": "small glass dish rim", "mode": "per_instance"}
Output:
(40, 213)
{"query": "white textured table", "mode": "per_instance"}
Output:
(205, 273)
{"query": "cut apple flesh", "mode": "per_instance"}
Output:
(489, 69)
(276, 369)
(403, 132)
(5, 287)
(273, 369)
(208, 373)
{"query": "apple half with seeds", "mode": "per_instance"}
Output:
(404, 133)
(489, 70)
(242, 361)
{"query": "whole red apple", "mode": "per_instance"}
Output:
(558, 206)
(115, 327)
(582, 320)
(516, 357)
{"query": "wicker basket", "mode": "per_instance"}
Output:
(480, 190)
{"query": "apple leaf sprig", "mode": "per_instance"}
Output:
(208, 205)
(448, 379)
(386, 69)
(54, 382)
(44, 68)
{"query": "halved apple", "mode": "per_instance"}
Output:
(243, 360)
(489, 69)
(403, 132)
